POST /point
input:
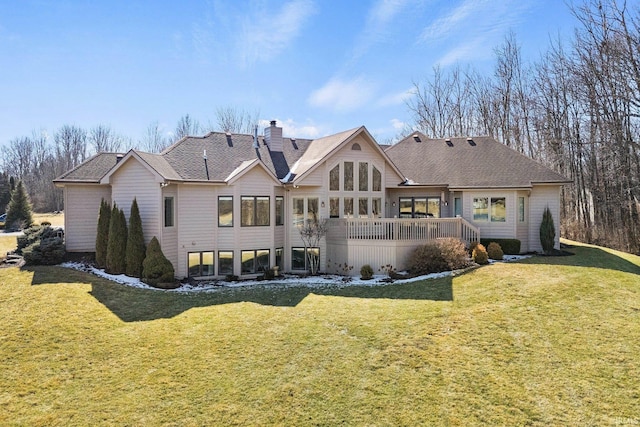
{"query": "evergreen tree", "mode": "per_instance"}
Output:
(102, 236)
(5, 192)
(157, 270)
(19, 213)
(117, 245)
(547, 231)
(135, 253)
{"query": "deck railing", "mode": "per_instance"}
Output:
(401, 229)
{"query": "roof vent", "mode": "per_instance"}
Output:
(119, 157)
(471, 142)
(416, 138)
(448, 141)
(255, 137)
(204, 155)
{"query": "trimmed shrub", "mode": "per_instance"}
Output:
(157, 270)
(19, 213)
(48, 251)
(454, 253)
(480, 255)
(135, 252)
(117, 246)
(509, 246)
(42, 245)
(427, 259)
(547, 231)
(366, 272)
(102, 235)
(494, 251)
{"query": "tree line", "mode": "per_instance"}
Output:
(575, 109)
(39, 158)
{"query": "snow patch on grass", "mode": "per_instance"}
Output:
(326, 280)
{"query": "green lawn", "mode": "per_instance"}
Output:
(546, 341)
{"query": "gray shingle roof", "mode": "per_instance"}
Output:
(459, 164)
(226, 152)
(485, 163)
(184, 160)
(91, 170)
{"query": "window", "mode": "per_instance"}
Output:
(363, 207)
(200, 264)
(376, 207)
(406, 207)
(280, 258)
(363, 176)
(377, 179)
(521, 209)
(356, 147)
(334, 178)
(480, 209)
(298, 211)
(312, 209)
(348, 176)
(334, 207)
(279, 210)
(225, 262)
(301, 262)
(254, 261)
(225, 211)
(348, 206)
(492, 209)
(419, 207)
(254, 210)
(498, 209)
(433, 207)
(168, 211)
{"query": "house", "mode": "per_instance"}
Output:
(231, 204)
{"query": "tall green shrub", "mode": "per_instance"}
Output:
(19, 211)
(117, 246)
(157, 270)
(135, 243)
(102, 235)
(547, 231)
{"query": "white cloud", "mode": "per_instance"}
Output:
(452, 23)
(379, 18)
(343, 95)
(265, 35)
(398, 125)
(473, 28)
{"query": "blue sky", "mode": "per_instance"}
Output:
(316, 66)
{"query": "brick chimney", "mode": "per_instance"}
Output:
(273, 137)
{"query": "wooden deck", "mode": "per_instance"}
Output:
(388, 241)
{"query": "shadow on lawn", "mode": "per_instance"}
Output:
(586, 256)
(134, 304)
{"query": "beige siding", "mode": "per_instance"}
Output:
(133, 180)
(82, 207)
(196, 220)
(541, 197)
